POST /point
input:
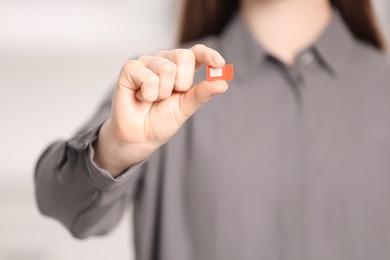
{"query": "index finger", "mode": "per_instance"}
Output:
(208, 56)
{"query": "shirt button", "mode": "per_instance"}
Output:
(307, 58)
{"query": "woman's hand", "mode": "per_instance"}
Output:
(154, 97)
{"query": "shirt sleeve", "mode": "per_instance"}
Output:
(71, 188)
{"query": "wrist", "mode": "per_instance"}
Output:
(116, 156)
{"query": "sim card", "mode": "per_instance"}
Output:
(224, 73)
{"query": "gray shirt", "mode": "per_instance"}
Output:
(291, 163)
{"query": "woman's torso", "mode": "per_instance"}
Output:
(290, 163)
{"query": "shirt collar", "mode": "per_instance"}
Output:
(335, 44)
(239, 47)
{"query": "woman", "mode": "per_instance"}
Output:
(292, 162)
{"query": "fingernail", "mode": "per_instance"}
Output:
(218, 59)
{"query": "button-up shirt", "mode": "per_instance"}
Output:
(291, 163)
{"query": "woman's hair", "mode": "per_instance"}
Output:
(206, 17)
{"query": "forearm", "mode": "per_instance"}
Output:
(72, 190)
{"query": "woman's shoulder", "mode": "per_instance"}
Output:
(371, 57)
(369, 68)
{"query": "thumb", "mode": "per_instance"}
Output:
(200, 94)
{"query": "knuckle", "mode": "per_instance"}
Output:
(200, 97)
(169, 67)
(152, 79)
(129, 66)
(186, 55)
(199, 46)
(143, 58)
(166, 67)
(161, 53)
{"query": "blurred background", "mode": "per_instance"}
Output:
(57, 61)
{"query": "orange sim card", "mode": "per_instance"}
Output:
(224, 73)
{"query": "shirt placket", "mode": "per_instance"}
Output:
(293, 179)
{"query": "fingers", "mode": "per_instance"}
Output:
(166, 70)
(154, 78)
(199, 95)
(188, 60)
(185, 63)
(208, 56)
(139, 79)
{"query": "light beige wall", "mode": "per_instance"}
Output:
(57, 60)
